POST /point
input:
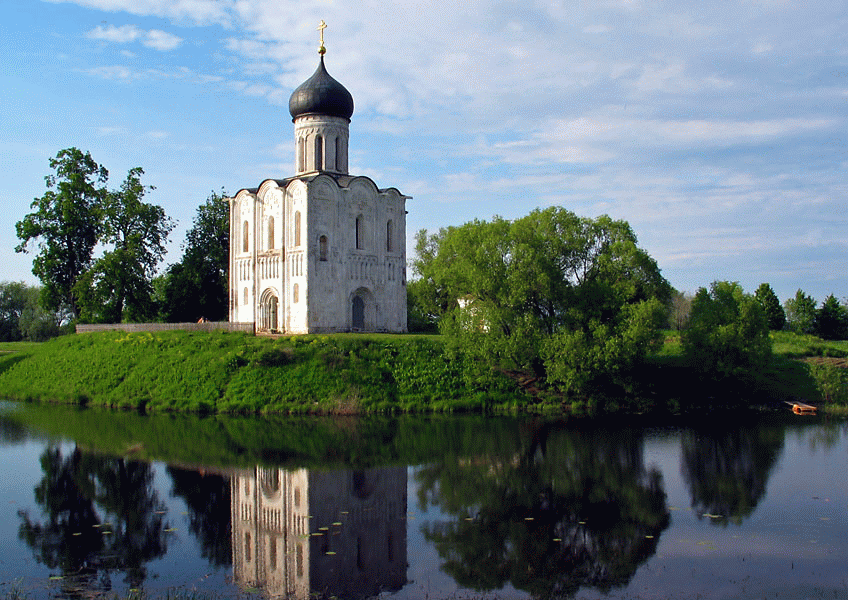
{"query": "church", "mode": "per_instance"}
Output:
(323, 250)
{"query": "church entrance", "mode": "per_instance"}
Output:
(269, 314)
(358, 313)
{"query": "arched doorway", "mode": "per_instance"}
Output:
(363, 310)
(358, 316)
(269, 314)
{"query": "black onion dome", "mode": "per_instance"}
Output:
(321, 94)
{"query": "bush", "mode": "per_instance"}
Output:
(728, 334)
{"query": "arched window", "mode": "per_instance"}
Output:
(319, 153)
(245, 295)
(389, 232)
(359, 233)
(301, 154)
(270, 233)
(297, 228)
(322, 248)
(245, 238)
(296, 293)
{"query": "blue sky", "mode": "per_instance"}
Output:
(716, 129)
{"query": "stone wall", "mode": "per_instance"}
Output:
(138, 327)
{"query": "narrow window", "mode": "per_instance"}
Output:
(299, 561)
(272, 553)
(297, 228)
(247, 547)
(245, 295)
(389, 242)
(322, 248)
(338, 154)
(359, 233)
(270, 233)
(319, 153)
(245, 238)
(301, 155)
(296, 293)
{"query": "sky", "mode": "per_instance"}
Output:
(716, 129)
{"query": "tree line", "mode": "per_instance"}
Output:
(97, 251)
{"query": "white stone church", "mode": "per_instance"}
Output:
(322, 251)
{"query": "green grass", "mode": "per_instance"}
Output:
(239, 373)
(221, 372)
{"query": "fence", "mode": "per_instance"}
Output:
(138, 327)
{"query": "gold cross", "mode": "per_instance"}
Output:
(321, 27)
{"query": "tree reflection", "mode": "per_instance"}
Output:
(727, 471)
(207, 498)
(101, 515)
(563, 510)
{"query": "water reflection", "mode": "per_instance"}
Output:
(550, 508)
(102, 515)
(568, 509)
(727, 470)
(307, 533)
(207, 498)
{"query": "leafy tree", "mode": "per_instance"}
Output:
(728, 333)
(801, 313)
(420, 316)
(831, 321)
(66, 225)
(771, 305)
(21, 315)
(118, 286)
(681, 306)
(197, 285)
(573, 299)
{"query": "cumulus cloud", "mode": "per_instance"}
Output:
(125, 34)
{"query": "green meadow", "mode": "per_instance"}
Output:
(224, 372)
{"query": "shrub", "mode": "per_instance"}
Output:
(728, 334)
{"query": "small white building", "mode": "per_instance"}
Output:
(322, 251)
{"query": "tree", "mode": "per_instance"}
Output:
(728, 332)
(681, 306)
(771, 305)
(801, 313)
(197, 285)
(118, 286)
(21, 315)
(573, 299)
(66, 225)
(831, 320)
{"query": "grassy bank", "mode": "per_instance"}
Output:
(222, 372)
(231, 372)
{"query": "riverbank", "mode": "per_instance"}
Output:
(227, 372)
(221, 372)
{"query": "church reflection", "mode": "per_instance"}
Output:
(308, 533)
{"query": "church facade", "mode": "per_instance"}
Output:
(323, 250)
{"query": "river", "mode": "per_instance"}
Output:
(739, 506)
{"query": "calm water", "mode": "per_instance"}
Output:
(409, 508)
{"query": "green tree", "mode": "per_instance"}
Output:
(21, 314)
(197, 285)
(801, 313)
(771, 305)
(573, 299)
(728, 332)
(65, 224)
(681, 306)
(118, 286)
(831, 321)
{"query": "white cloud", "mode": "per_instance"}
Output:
(126, 34)
(119, 35)
(161, 40)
